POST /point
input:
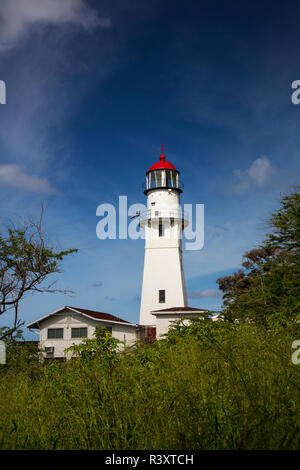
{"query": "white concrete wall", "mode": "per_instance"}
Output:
(164, 321)
(162, 271)
(163, 267)
(168, 198)
(67, 320)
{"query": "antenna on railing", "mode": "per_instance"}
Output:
(138, 213)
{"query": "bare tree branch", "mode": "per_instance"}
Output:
(27, 259)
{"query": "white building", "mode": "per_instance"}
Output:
(68, 325)
(165, 317)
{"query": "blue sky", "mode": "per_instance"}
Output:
(93, 86)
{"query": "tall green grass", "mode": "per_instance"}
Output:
(221, 388)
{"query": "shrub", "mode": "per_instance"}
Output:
(213, 386)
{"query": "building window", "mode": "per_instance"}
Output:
(161, 229)
(55, 333)
(162, 296)
(79, 333)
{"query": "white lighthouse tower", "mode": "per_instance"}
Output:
(163, 279)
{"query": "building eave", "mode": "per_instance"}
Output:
(179, 310)
(36, 324)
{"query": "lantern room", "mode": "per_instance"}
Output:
(162, 174)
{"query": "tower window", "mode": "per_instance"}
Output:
(162, 296)
(161, 229)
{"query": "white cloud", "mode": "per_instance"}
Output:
(208, 293)
(259, 173)
(15, 176)
(38, 99)
(16, 16)
(243, 182)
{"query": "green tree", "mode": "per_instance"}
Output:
(286, 228)
(103, 346)
(27, 260)
(267, 289)
(11, 338)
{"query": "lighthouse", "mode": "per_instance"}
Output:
(163, 278)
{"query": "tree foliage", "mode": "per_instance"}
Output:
(103, 346)
(214, 386)
(267, 289)
(26, 261)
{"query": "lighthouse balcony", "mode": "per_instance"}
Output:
(171, 215)
(159, 184)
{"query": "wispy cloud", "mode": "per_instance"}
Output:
(97, 284)
(208, 293)
(16, 177)
(258, 174)
(17, 16)
(223, 249)
(36, 55)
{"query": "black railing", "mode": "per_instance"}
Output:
(158, 185)
(154, 213)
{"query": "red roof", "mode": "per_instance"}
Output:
(99, 315)
(181, 309)
(162, 164)
(90, 313)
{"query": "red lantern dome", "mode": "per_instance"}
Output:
(162, 164)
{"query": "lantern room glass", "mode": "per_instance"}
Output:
(162, 179)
